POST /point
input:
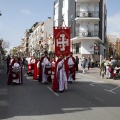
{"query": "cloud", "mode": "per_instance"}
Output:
(26, 11)
(113, 24)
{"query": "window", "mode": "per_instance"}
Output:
(96, 29)
(76, 48)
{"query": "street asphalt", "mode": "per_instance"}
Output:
(88, 98)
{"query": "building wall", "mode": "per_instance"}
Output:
(117, 47)
(58, 15)
(48, 28)
(87, 47)
(69, 10)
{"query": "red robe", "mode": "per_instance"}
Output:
(36, 70)
(55, 83)
(73, 75)
(10, 76)
(30, 67)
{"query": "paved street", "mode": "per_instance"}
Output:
(88, 98)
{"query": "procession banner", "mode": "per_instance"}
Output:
(62, 41)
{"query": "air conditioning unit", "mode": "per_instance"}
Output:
(85, 34)
(85, 14)
(89, 14)
(89, 34)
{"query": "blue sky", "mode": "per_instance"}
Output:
(19, 15)
(113, 17)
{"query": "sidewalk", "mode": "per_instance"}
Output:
(95, 74)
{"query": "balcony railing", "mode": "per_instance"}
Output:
(90, 33)
(82, 14)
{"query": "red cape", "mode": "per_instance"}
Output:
(35, 70)
(10, 79)
(55, 84)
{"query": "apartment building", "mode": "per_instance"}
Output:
(41, 31)
(117, 47)
(25, 42)
(87, 20)
(113, 46)
(33, 39)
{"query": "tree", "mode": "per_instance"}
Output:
(14, 51)
(5, 44)
(5, 51)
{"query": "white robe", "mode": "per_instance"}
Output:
(108, 74)
(11, 61)
(70, 63)
(44, 63)
(16, 65)
(28, 60)
(32, 61)
(62, 77)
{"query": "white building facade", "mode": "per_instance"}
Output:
(41, 31)
(87, 19)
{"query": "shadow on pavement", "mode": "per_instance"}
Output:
(33, 98)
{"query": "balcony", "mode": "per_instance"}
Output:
(90, 33)
(87, 0)
(87, 16)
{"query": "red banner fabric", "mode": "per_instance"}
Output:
(62, 41)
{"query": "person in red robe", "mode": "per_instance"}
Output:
(28, 65)
(32, 63)
(11, 61)
(53, 67)
(71, 65)
(36, 69)
(44, 62)
(61, 74)
(15, 73)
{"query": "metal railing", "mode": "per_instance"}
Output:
(90, 33)
(82, 14)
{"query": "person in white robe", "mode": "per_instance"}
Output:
(71, 64)
(45, 62)
(60, 76)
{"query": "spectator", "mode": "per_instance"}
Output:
(24, 62)
(108, 70)
(76, 63)
(89, 62)
(92, 62)
(8, 62)
(83, 63)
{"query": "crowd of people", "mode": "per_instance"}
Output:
(59, 72)
(109, 69)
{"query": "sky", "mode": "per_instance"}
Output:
(19, 15)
